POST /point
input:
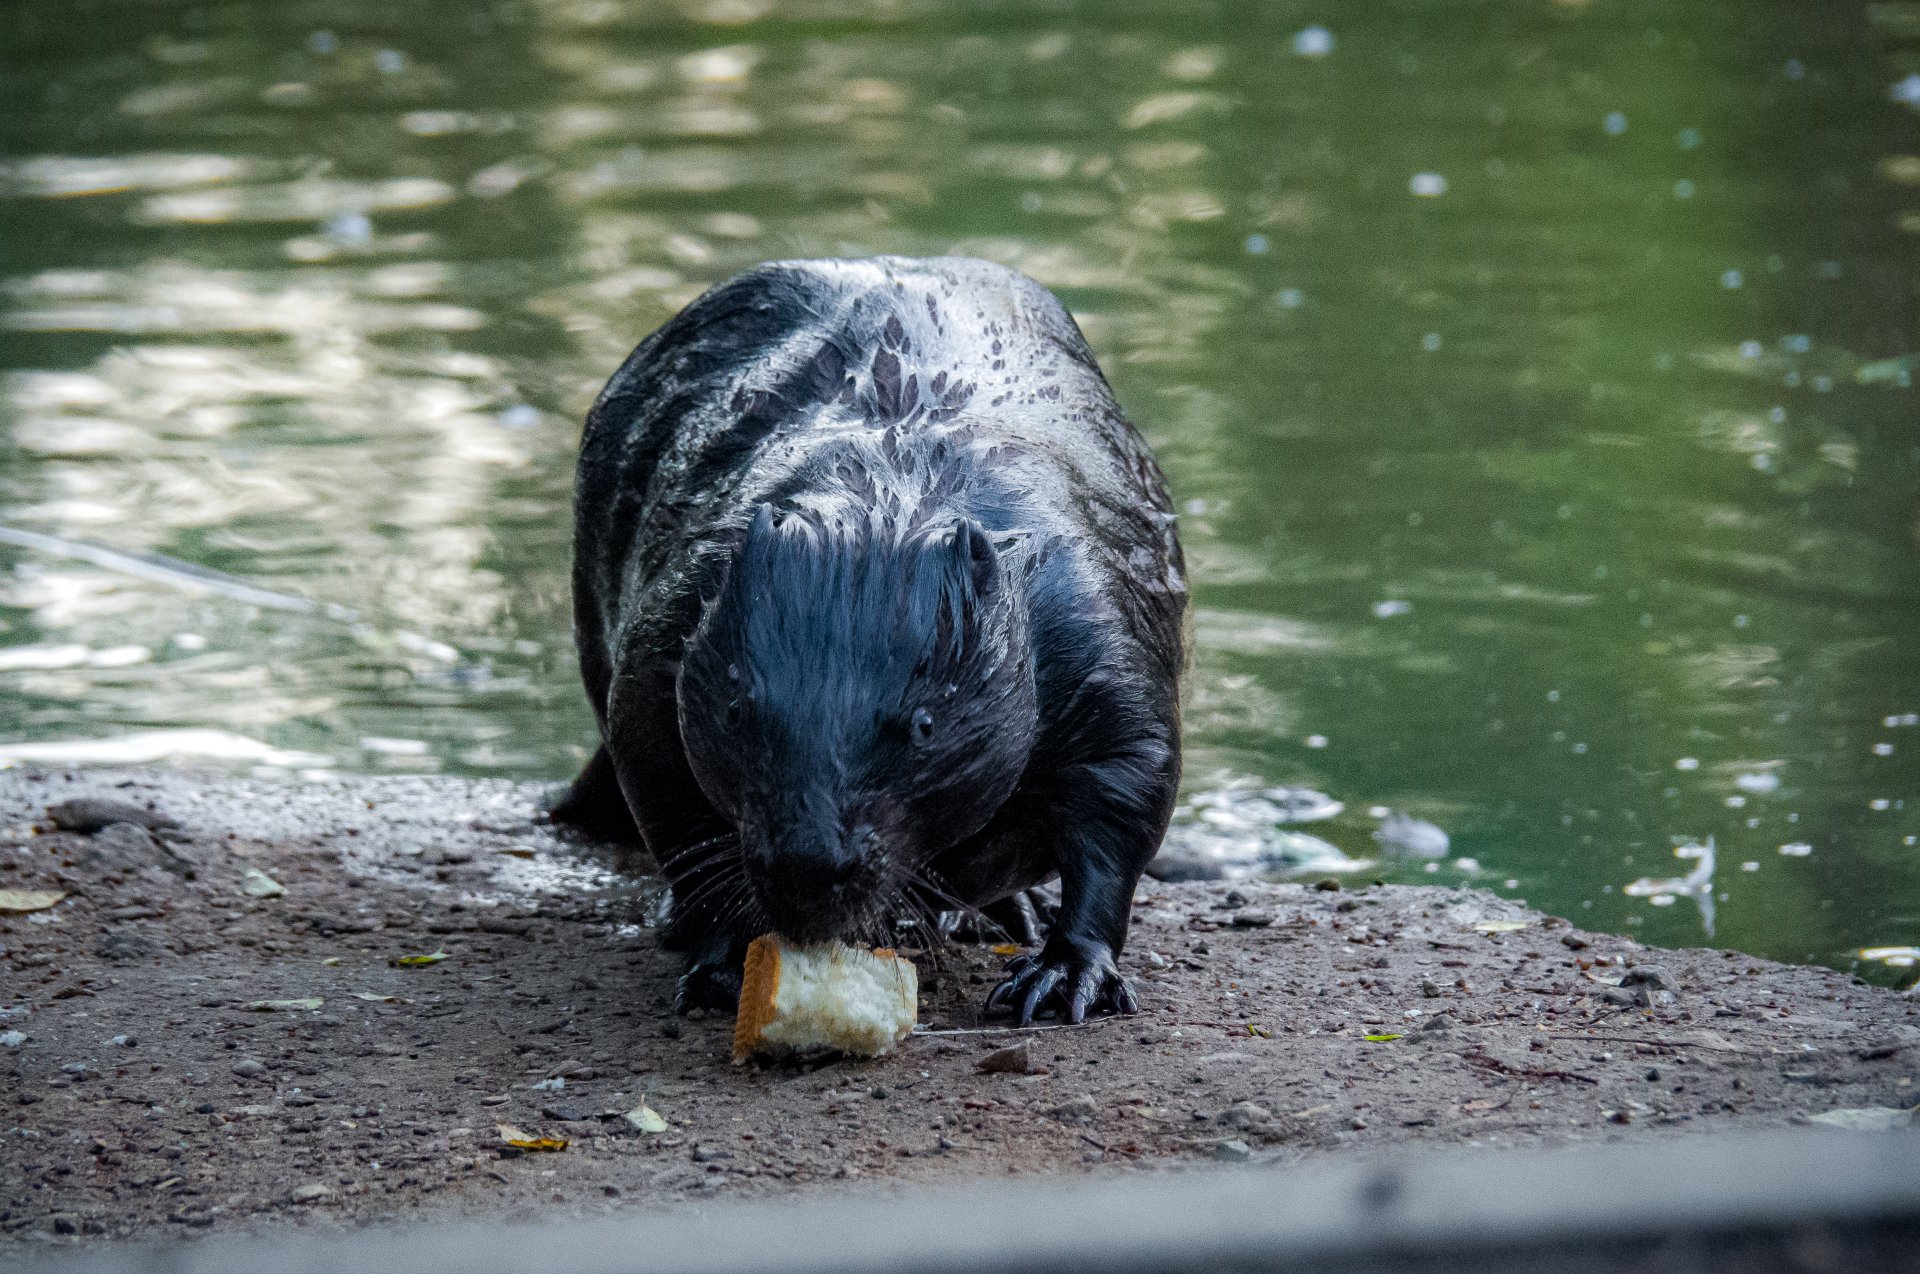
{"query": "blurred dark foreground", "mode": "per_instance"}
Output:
(1795, 1200)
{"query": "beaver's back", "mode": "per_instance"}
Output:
(947, 384)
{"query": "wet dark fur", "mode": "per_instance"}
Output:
(879, 606)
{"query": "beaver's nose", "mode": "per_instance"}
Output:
(810, 882)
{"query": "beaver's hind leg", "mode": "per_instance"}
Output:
(595, 804)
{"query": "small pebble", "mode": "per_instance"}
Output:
(1076, 1110)
(90, 814)
(1234, 1151)
(248, 1068)
(1252, 919)
(1245, 1114)
(1014, 1059)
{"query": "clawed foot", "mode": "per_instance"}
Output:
(1020, 918)
(1068, 977)
(708, 985)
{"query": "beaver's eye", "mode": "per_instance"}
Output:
(734, 712)
(920, 725)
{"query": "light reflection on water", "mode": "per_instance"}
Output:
(1538, 392)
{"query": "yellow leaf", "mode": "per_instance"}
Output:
(416, 961)
(19, 900)
(1258, 1031)
(1382, 1039)
(1005, 949)
(527, 1141)
(332, 962)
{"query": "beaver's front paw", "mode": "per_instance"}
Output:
(1069, 975)
(708, 985)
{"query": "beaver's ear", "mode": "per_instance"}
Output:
(974, 556)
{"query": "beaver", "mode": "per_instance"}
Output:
(879, 605)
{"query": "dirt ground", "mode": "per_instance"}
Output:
(151, 1086)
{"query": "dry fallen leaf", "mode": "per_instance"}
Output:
(285, 1006)
(1005, 949)
(1499, 926)
(22, 900)
(257, 884)
(1383, 1038)
(416, 961)
(1258, 1031)
(527, 1141)
(646, 1119)
(371, 998)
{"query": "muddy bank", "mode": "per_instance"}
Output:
(164, 1068)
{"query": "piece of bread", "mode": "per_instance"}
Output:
(829, 996)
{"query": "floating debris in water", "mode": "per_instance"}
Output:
(1302, 804)
(1313, 42)
(1760, 781)
(1237, 829)
(1615, 123)
(1687, 763)
(1892, 957)
(1696, 884)
(1388, 609)
(1795, 849)
(1428, 185)
(1411, 835)
(1907, 91)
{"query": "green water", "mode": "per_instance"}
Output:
(1570, 505)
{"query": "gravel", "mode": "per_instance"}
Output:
(388, 1096)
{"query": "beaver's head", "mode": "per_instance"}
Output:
(855, 700)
